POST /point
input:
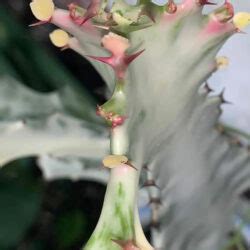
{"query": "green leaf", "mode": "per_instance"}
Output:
(70, 227)
(21, 198)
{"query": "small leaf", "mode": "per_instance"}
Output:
(42, 9)
(59, 38)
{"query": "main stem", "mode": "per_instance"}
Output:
(116, 222)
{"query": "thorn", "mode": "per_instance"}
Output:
(222, 98)
(130, 165)
(220, 129)
(205, 2)
(119, 65)
(236, 142)
(107, 60)
(208, 88)
(131, 58)
(87, 18)
(65, 48)
(239, 31)
(150, 183)
(92, 11)
(39, 23)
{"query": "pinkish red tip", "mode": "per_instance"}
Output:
(237, 30)
(119, 64)
(107, 60)
(205, 2)
(39, 23)
(129, 59)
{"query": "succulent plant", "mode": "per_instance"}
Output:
(163, 124)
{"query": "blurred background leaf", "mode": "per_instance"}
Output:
(21, 197)
(35, 214)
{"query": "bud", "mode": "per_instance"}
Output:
(171, 7)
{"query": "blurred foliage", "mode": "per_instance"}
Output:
(35, 215)
(21, 196)
(22, 58)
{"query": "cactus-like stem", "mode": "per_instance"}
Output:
(117, 218)
(119, 140)
(160, 115)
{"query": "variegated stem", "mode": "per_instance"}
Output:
(116, 222)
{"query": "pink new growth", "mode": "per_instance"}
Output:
(219, 21)
(118, 60)
(111, 117)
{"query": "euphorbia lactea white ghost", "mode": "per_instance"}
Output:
(163, 125)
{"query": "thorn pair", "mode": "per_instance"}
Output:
(119, 64)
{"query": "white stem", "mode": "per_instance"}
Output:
(119, 140)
